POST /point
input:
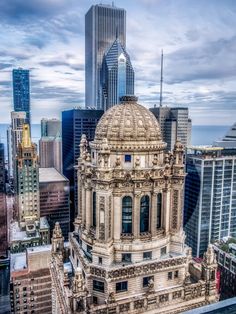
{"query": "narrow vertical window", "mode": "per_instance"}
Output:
(94, 209)
(127, 214)
(159, 207)
(144, 214)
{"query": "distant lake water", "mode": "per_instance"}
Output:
(201, 134)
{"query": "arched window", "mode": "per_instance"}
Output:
(127, 214)
(144, 214)
(94, 209)
(159, 206)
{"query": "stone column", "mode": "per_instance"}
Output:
(153, 209)
(136, 214)
(88, 207)
(83, 204)
(166, 210)
(117, 217)
(79, 196)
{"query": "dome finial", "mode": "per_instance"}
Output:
(128, 98)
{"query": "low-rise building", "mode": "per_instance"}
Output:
(31, 281)
(21, 239)
(226, 258)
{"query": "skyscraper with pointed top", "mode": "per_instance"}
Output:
(27, 180)
(117, 76)
(103, 23)
(30, 229)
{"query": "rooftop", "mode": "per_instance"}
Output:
(18, 235)
(50, 138)
(50, 175)
(205, 148)
(18, 261)
(223, 307)
(226, 245)
(40, 248)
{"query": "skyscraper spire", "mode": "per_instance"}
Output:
(26, 140)
(161, 81)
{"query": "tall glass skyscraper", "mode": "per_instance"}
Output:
(103, 24)
(21, 91)
(117, 76)
(210, 197)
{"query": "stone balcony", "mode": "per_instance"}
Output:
(119, 271)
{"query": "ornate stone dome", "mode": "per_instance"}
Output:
(128, 122)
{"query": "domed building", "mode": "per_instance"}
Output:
(127, 251)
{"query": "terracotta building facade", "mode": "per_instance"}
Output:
(127, 250)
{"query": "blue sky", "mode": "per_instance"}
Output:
(198, 38)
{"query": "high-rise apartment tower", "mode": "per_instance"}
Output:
(210, 197)
(21, 91)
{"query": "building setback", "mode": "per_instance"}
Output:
(103, 24)
(30, 284)
(14, 138)
(210, 197)
(21, 91)
(175, 124)
(76, 122)
(50, 127)
(3, 206)
(116, 76)
(50, 152)
(54, 191)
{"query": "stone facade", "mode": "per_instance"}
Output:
(128, 250)
(30, 229)
(30, 286)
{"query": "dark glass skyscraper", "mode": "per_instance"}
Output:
(21, 91)
(76, 122)
(103, 24)
(117, 76)
(3, 206)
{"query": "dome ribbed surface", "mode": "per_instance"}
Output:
(128, 121)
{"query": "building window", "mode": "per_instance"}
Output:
(89, 249)
(163, 251)
(127, 158)
(100, 261)
(121, 286)
(127, 214)
(94, 209)
(95, 300)
(98, 285)
(144, 214)
(146, 280)
(147, 255)
(176, 274)
(169, 275)
(159, 206)
(126, 257)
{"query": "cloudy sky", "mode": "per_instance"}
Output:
(198, 38)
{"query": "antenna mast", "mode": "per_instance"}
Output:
(161, 81)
